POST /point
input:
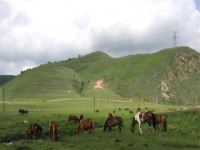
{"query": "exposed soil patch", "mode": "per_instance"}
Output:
(99, 84)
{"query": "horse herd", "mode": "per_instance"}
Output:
(88, 125)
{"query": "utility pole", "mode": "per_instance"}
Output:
(94, 104)
(174, 38)
(3, 94)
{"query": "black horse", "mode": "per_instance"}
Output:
(23, 112)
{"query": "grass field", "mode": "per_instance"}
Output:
(183, 127)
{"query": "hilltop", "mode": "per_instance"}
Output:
(167, 75)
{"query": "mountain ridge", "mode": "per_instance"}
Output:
(141, 76)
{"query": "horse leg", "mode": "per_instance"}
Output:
(149, 126)
(104, 128)
(109, 129)
(140, 129)
(53, 133)
(158, 127)
(133, 125)
(119, 128)
(56, 137)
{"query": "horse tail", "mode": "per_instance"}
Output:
(133, 125)
(120, 121)
(154, 121)
(106, 125)
(165, 125)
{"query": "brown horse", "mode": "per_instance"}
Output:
(161, 119)
(53, 130)
(85, 125)
(73, 118)
(112, 122)
(23, 112)
(36, 130)
(144, 117)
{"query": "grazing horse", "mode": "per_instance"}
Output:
(53, 130)
(34, 129)
(85, 125)
(112, 122)
(73, 118)
(161, 119)
(143, 117)
(81, 117)
(23, 112)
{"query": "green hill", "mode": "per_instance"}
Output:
(168, 75)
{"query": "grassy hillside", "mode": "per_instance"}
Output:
(166, 76)
(45, 82)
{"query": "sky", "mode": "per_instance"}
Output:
(34, 32)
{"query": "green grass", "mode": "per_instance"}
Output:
(183, 127)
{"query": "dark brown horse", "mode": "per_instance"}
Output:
(144, 117)
(161, 119)
(73, 118)
(112, 122)
(85, 125)
(53, 130)
(23, 112)
(36, 130)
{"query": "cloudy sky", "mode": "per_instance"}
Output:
(33, 32)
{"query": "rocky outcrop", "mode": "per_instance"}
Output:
(185, 63)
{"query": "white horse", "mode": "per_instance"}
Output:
(142, 117)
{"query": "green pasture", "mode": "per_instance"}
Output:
(183, 127)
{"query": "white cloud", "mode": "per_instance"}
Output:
(39, 31)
